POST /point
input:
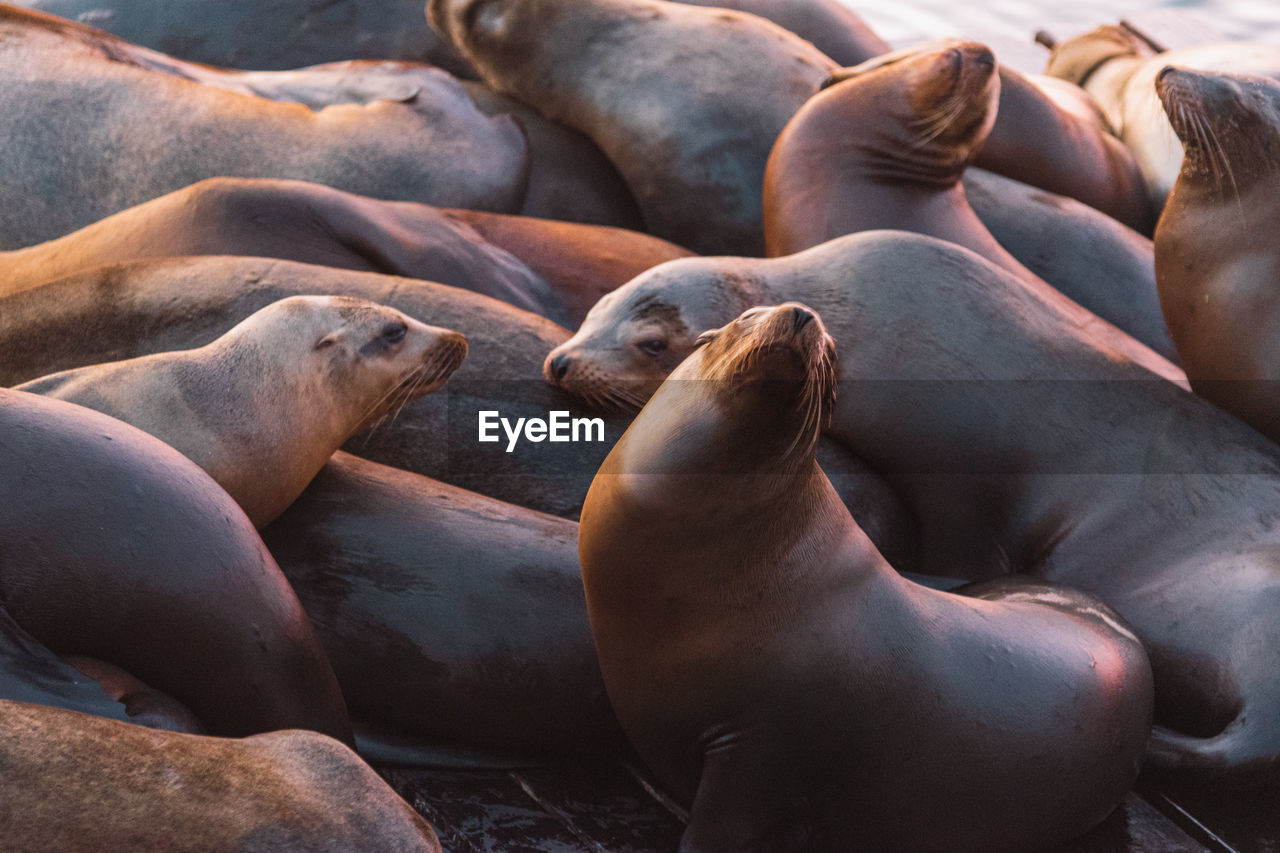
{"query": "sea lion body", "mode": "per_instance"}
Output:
(263, 407)
(124, 551)
(886, 146)
(76, 784)
(447, 615)
(1120, 72)
(126, 132)
(1217, 261)
(1025, 433)
(556, 269)
(775, 672)
(831, 27)
(684, 100)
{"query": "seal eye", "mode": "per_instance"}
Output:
(393, 333)
(706, 338)
(653, 346)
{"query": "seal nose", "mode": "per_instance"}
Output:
(800, 317)
(1164, 73)
(560, 365)
(985, 59)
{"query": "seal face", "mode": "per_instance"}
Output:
(278, 393)
(1217, 263)
(750, 637)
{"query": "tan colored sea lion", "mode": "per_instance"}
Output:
(1026, 433)
(1120, 71)
(128, 127)
(76, 784)
(776, 673)
(146, 307)
(557, 269)
(263, 407)
(685, 100)
(886, 146)
(122, 550)
(1217, 260)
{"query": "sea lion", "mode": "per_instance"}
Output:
(831, 27)
(774, 671)
(886, 146)
(1216, 257)
(146, 307)
(1025, 432)
(447, 615)
(556, 269)
(1120, 70)
(263, 407)
(685, 100)
(75, 783)
(133, 133)
(272, 35)
(122, 550)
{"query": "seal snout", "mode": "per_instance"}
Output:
(800, 317)
(556, 366)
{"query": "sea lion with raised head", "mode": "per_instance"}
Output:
(553, 268)
(122, 550)
(263, 407)
(684, 100)
(1217, 261)
(887, 144)
(128, 127)
(776, 673)
(1028, 436)
(77, 784)
(1119, 70)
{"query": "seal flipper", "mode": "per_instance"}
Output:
(1242, 751)
(735, 810)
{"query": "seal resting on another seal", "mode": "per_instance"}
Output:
(684, 100)
(122, 550)
(1217, 260)
(1029, 436)
(886, 146)
(331, 366)
(78, 784)
(1120, 71)
(91, 124)
(782, 678)
(556, 269)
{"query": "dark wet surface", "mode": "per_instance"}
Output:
(608, 805)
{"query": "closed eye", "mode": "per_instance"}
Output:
(393, 333)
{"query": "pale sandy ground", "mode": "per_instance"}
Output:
(1009, 26)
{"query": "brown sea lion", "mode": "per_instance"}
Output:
(557, 269)
(446, 614)
(1120, 71)
(886, 146)
(1025, 432)
(146, 307)
(115, 547)
(786, 682)
(267, 34)
(263, 407)
(1217, 260)
(685, 100)
(76, 784)
(125, 132)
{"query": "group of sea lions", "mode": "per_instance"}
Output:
(935, 502)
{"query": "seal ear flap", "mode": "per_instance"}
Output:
(706, 337)
(327, 341)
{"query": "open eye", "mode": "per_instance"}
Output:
(393, 333)
(653, 346)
